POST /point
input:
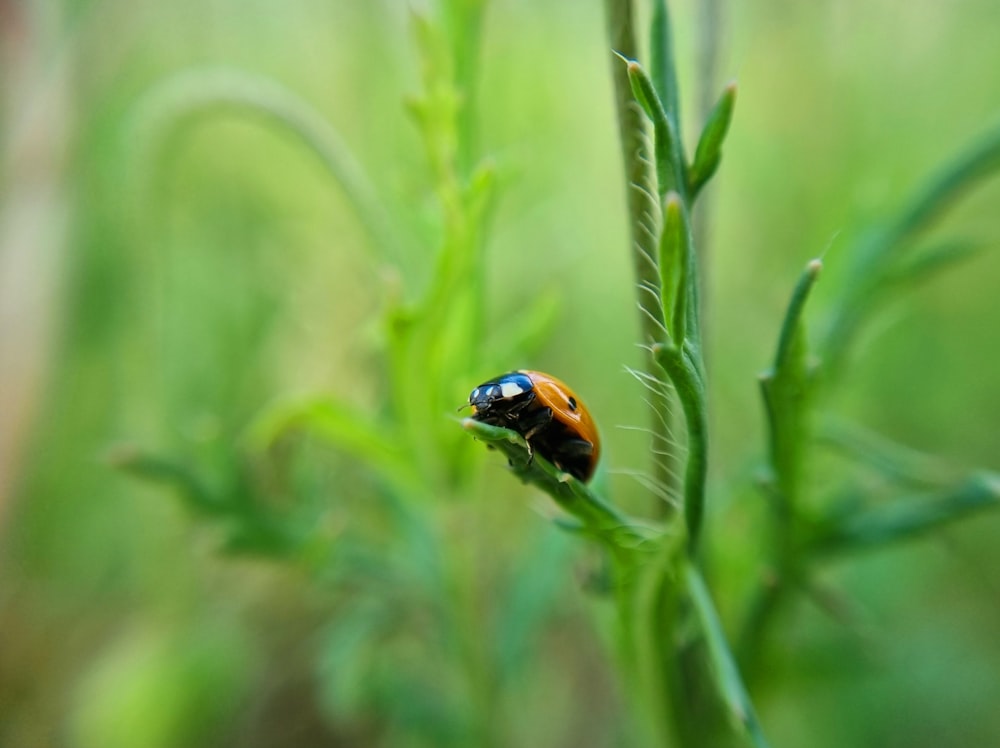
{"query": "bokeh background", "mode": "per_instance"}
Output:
(165, 319)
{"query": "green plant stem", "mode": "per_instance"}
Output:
(643, 208)
(680, 366)
(601, 519)
(724, 670)
(785, 391)
(464, 22)
(657, 614)
(662, 64)
(763, 606)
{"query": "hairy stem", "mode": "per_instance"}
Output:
(643, 212)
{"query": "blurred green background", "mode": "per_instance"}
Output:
(167, 319)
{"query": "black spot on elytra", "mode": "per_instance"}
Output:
(572, 403)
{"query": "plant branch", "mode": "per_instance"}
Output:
(644, 218)
(604, 521)
(729, 684)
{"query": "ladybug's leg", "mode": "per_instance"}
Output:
(531, 425)
(513, 411)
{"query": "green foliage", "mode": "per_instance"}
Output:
(708, 154)
(350, 561)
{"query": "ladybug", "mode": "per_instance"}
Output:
(543, 410)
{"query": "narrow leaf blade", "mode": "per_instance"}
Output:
(708, 154)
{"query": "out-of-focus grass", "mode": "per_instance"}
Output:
(248, 279)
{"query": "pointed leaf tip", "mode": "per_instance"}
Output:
(623, 58)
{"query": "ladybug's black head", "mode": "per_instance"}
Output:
(501, 395)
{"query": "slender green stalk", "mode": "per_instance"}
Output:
(785, 391)
(662, 64)
(723, 664)
(600, 518)
(678, 365)
(643, 211)
(680, 357)
(464, 22)
(679, 354)
(658, 611)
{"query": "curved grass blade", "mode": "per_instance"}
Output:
(190, 95)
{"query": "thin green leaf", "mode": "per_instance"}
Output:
(875, 251)
(679, 366)
(908, 517)
(339, 425)
(791, 327)
(932, 261)
(708, 154)
(664, 69)
(674, 262)
(728, 682)
(162, 470)
(669, 156)
(897, 462)
(785, 389)
(977, 162)
(679, 289)
(249, 529)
